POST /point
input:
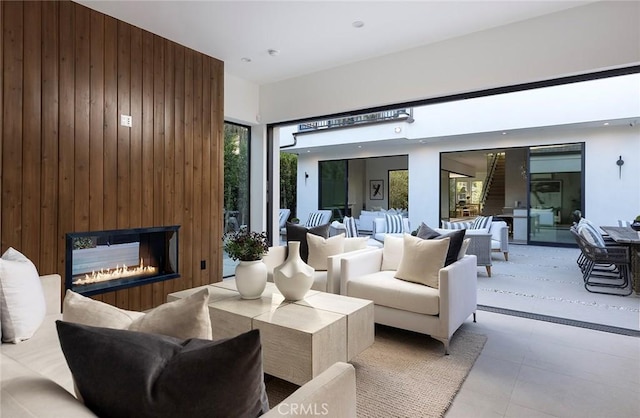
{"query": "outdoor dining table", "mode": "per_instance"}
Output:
(625, 235)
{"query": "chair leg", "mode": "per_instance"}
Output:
(488, 270)
(474, 317)
(506, 256)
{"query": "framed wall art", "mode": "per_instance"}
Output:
(376, 189)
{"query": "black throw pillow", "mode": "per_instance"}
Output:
(455, 243)
(299, 233)
(121, 373)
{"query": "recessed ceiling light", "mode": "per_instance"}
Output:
(359, 146)
(357, 24)
(606, 124)
(273, 52)
(245, 59)
(398, 129)
(504, 133)
(308, 150)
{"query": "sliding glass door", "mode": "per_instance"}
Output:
(555, 192)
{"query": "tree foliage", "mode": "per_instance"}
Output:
(288, 182)
(399, 189)
(236, 174)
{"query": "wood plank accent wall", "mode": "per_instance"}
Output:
(66, 163)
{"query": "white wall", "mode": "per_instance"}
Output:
(583, 39)
(607, 197)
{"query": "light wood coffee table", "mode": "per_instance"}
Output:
(299, 339)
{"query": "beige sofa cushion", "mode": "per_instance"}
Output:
(392, 252)
(385, 290)
(355, 244)
(182, 318)
(320, 248)
(422, 260)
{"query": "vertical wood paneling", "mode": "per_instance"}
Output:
(158, 146)
(96, 118)
(179, 153)
(110, 132)
(124, 144)
(82, 90)
(197, 164)
(12, 126)
(66, 128)
(187, 220)
(49, 204)
(217, 164)
(169, 143)
(31, 125)
(205, 232)
(135, 167)
(67, 164)
(146, 292)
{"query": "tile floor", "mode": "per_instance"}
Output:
(531, 368)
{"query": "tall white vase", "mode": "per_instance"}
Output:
(294, 277)
(251, 278)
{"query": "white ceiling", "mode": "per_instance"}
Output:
(314, 35)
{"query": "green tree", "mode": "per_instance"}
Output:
(399, 189)
(288, 182)
(236, 175)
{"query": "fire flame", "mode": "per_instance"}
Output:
(117, 273)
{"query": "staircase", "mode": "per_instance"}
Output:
(493, 196)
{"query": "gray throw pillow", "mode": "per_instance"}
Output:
(299, 233)
(425, 232)
(121, 373)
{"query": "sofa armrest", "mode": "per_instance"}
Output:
(52, 288)
(458, 292)
(332, 393)
(357, 265)
(333, 269)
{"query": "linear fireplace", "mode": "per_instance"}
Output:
(104, 261)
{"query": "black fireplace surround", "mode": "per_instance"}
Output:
(104, 261)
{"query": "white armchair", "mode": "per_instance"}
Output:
(413, 306)
(500, 238)
(324, 280)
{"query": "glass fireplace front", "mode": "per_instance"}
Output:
(104, 261)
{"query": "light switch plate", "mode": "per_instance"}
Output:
(126, 120)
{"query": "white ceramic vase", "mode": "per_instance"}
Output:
(294, 277)
(251, 278)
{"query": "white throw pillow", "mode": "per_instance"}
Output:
(355, 244)
(464, 248)
(321, 248)
(391, 252)
(182, 318)
(23, 306)
(422, 260)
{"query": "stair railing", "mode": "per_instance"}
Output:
(490, 174)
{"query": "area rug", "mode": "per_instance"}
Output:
(405, 374)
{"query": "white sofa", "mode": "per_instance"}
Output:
(412, 306)
(365, 221)
(36, 382)
(380, 229)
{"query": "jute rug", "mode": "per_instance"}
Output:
(405, 374)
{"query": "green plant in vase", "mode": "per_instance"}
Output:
(251, 273)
